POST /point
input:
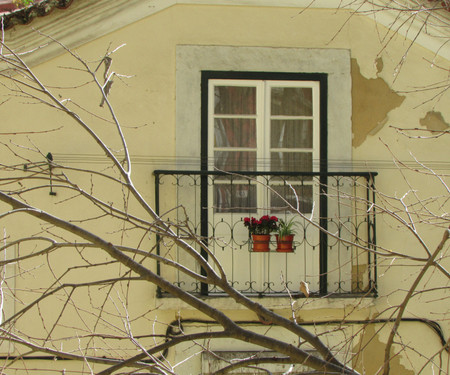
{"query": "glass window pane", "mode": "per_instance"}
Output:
(282, 194)
(234, 132)
(291, 161)
(291, 101)
(234, 198)
(291, 134)
(235, 160)
(234, 100)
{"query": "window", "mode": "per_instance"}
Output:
(262, 125)
(269, 120)
(255, 72)
(256, 122)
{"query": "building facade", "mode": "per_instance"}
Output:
(334, 119)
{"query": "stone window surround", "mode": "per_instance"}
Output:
(191, 60)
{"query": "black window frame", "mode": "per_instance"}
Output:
(322, 78)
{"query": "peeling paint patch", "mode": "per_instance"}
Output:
(370, 357)
(372, 101)
(379, 64)
(434, 121)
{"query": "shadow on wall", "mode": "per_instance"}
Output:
(372, 355)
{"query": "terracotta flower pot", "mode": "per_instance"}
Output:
(261, 242)
(284, 244)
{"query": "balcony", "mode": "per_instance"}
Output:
(335, 230)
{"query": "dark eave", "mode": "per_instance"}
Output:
(25, 15)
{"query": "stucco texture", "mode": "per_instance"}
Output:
(383, 98)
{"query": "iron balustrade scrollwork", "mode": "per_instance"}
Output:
(335, 230)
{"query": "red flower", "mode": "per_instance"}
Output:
(264, 225)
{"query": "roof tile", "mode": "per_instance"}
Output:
(13, 16)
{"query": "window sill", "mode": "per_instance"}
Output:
(276, 303)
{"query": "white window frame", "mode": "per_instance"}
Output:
(263, 116)
(315, 86)
(211, 116)
(263, 119)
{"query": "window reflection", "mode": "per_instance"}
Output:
(234, 198)
(291, 101)
(291, 134)
(234, 100)
(234, 132)
(291, 161)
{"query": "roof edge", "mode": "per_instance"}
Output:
(23, 16)
(67, 28)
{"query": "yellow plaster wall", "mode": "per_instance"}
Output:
(145, 105)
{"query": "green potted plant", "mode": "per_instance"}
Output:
(260, 231)
(285, 236)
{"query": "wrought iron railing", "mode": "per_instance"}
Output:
(335, 229)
